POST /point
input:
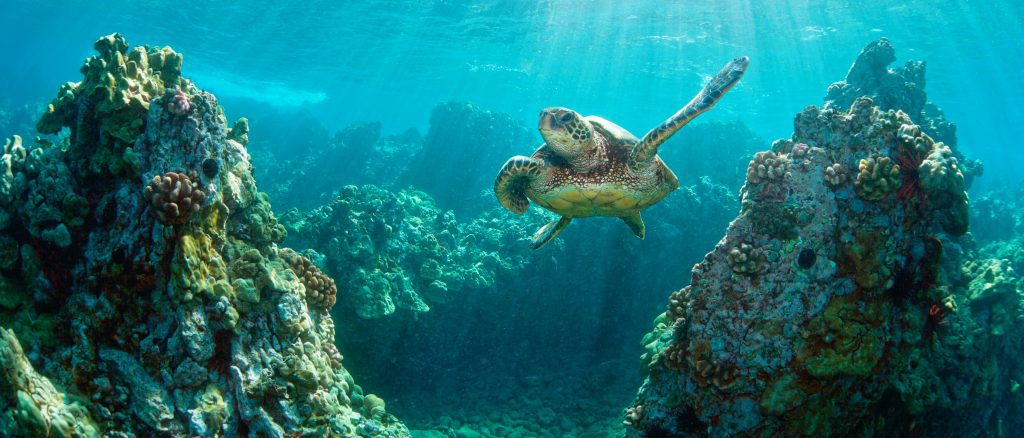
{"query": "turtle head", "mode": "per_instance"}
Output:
(565, 131)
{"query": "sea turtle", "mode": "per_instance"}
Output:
(589, 166)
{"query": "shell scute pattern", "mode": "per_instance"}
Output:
(589, 166)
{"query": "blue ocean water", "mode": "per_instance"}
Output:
(630, 61)
(547, 344)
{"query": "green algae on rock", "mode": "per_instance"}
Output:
(188, 322)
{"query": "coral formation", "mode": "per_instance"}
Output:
(836, 175)
(877, 177)
(399, 251)
(173, 198)
(779, 352)
(187, 321)
(316, 165)
(902, 89)
(32, 405)
(745, 259)
(321, 292)
(767, 166)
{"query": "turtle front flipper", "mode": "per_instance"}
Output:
(636, 224)
(647, 148)
(513, 178)
(549, 231)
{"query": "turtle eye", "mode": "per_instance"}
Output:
(565, 117)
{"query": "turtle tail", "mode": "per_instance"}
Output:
(647, 148)
(513, 179)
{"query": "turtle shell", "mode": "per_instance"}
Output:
(611, 188)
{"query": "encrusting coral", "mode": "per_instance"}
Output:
(32, 406)
(186, 319)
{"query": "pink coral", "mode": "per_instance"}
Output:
(179, 103)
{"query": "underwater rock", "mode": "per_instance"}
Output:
(31, 405)
(199, 326)
(902, 89)
(768, 340)
(998, 214)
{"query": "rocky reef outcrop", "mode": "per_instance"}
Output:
(900, 88)
(142, 285)
(817, 291)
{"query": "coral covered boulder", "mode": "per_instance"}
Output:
(804, 318)
(142, 274)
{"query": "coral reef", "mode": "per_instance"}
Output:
(32, 405)
(767, 166)
(321, 291)
(173, 198)
(818, 290)
(899, 89)
(397, 250)
(877, 177)
(998, 214)
(187, 321)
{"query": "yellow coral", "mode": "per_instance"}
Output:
(121, 84)
(877, 177)
(198, 267)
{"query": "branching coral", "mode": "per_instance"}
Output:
(633, 415)
(174, 198)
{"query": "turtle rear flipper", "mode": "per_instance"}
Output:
(513, 178)
(647, 148)
(549, 231)
(636, 224)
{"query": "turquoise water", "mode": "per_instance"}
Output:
(397, 97)
(633, 62)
